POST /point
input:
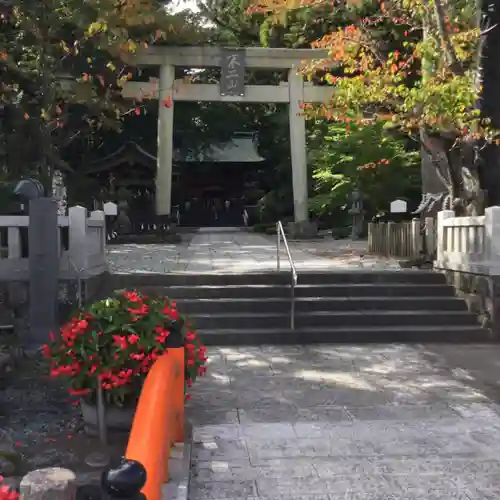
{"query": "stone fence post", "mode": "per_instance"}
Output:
(49, 484)
(77, 217)
(441, 244)
(492, 237)
(99, 215)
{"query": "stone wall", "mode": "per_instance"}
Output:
(482, 294)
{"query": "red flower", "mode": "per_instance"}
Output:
(120, 341)
(142, 310)
(7, 494)
(133, 339)
(162, 334)
(137, 356)
(78, 392)
(170, 312)
(132, 296)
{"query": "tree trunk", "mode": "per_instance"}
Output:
(487, 156)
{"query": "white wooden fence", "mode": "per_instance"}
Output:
(469, 244)
(86, 242)
(404, 240)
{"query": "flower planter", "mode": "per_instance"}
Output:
(117, 419)
(115, 342)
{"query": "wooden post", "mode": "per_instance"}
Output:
(416, 239)
(54, 483)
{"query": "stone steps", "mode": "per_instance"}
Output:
(330, 319)
(343, 277)
(346, 335)
(304, 305)
(318, 290)
(346, 306)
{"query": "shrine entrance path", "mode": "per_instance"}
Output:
(232, 251)
(330, 422)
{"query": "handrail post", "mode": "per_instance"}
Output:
(278, 246)
(281, 233)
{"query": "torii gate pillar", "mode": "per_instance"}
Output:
(163, 181)
(298, 148)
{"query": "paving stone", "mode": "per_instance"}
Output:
(237, 252)
(211, 471)
(414, 432)
(288, 448)
(223, 490)
(317, 429)
(273, 413)
(279, 430)
(205, 416)
(398, 412)
(331, 468)
(220, 449)
(221, 431)
(319, 413)
(438, 486)
(286, 486)
(484, 488)
(242, 470)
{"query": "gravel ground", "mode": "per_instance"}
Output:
(41, 425)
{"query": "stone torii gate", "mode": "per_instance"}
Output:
(231, 89)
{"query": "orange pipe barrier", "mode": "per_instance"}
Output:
(159, 419)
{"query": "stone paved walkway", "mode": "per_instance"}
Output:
(239, 252)
(348, 423)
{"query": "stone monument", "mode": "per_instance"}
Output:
(357, 213)
(43, 237)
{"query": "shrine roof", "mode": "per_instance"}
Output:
(130, 152)
(242, 148)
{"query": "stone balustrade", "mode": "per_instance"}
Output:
(82, 242)
(469, 244)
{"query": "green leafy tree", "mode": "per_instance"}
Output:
(427, 68)
(381, 166)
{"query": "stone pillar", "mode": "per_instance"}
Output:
(298, 146)
(165, 139)
(492, 238)
(441, 235)
(43, 244)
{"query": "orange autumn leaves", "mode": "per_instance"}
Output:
(167, 103)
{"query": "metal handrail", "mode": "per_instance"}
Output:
(281, 234)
